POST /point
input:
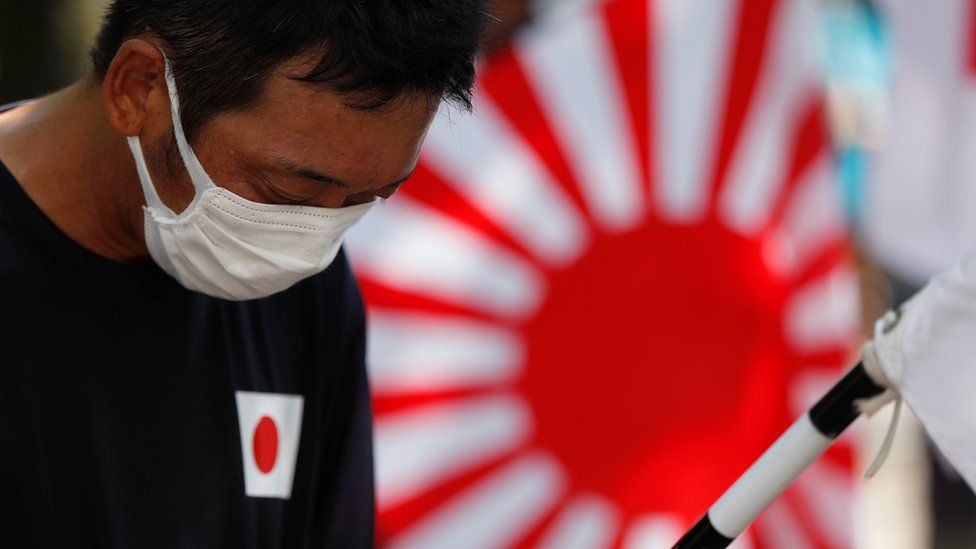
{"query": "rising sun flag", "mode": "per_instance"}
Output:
(605, 292)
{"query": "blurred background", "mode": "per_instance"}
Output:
(664, 232)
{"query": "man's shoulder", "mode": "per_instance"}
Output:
(16, 261)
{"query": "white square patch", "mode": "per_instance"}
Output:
(271, 425)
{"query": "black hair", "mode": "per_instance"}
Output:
(370, 51)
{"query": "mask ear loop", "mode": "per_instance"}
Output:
(148, 187)
(201, 181)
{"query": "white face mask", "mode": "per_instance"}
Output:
(231, 248)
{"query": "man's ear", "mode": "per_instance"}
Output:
(134, 85)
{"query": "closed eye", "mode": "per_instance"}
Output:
(281, 197)
(309, 173)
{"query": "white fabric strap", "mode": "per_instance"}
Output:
(153, 202)
(869, 358)
(201, 181)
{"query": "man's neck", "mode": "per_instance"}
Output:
(78, 170)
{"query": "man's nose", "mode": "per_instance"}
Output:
(357, 199)
(368, 196)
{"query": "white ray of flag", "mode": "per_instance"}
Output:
(690, 68)
(761, 156)
(808, 387)
(587, 522)
(419, 448)
(493, 513)
(780, 527)
(485, 160)
(410, 247)
(824, 314)
(829, 496)
(423, 352)
(814, 216)
(584, 102)
(653, 531)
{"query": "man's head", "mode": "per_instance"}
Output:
(279, 95)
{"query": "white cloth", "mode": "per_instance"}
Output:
(928, 354)
(918, 217)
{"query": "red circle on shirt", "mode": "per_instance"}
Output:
(265, 444)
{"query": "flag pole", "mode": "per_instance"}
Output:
(781, 463)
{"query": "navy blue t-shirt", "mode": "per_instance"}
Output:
(137, 414)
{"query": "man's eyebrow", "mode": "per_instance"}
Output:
(309, 173)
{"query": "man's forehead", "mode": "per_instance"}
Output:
(334, 146)
(312, 104)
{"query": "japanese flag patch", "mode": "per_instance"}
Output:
(271, 425)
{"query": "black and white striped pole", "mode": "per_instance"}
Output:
(781, 463)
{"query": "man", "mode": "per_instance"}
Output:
(182, 340)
